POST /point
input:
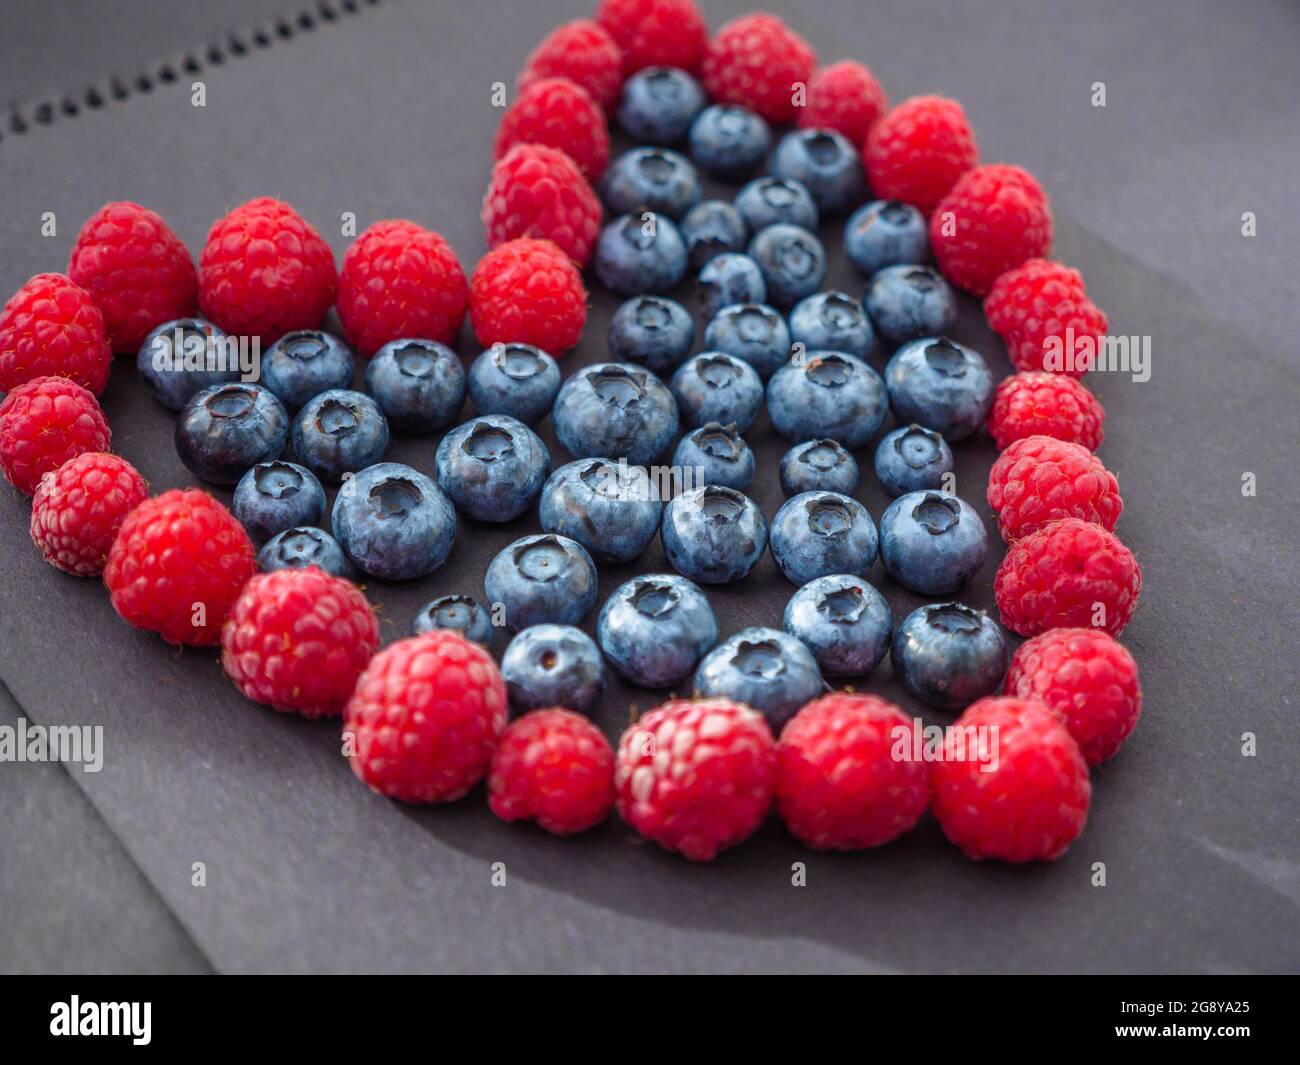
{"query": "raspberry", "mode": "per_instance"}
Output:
(757, 61)
(585, 54)
(265, 272)
(78, 509)
(553, 767)
(844, 96)
(1044, 404)
(1039, 479)
(177, 565)
(45, 422)
(696, 776)
(297, 639)
(917, 151)
(559, 114)
(655, 33)
(537, 191)
(838, 784)
(992, 220)
(1025, 796)
(137, 270)
(51, 328)
(400, 280)
(425, 717)
(1086, 677)
(528, 292)
(1041, 311)
(1068, 573)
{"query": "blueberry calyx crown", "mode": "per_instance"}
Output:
(828, 517)
(721, 506)
(823, 455)
(231, 401)
(303, 345)
(299, 546)
(279, 480)
(797, 255)
(955, 619)
(754, 322)
(652, 313)
(414, 359)
(839, 311)
(937, 514)
(759, 658)
(657, 167)
(452, 611)
(843, 605)
(895, 212)
(337, 418)
(518, 361)
(616, 386)
(487, 443)
(542, 559)
(394, 497)
(918, 446)
(946, 358)
(778, 193)
(822, 147)
(718, 441)
(654, 599)
(717, 371)
(829, 371)
(602, 477)
(922, 279)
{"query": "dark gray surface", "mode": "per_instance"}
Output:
(389, 116)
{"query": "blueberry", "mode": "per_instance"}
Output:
(843, 621)
(459, 613)
(226, 429)
(616, 410)
(274, 496)
(753, 332)
(717, 454)
(816, 534)
(393, 522)
(654, 629)
(657, 180)
(306, 363)
(729, 142)
(764, 668)
(658, 105)
(818, 466)
(610, 508)
(825, 163)
(824, 394)
(652, 330)
(540, 579)
(912, 458)
(339, 432)
(553, 665)
(729, 279)
(710, 228)
(713, 535)
(640, 253)
(304, 546)
(183, 357)
(792, 260)
(908, 302)
(716, 387)
(832, 321)
(519, 380)
(492, 467)
(886, 233)
(940, 384)
(948, 655)
(769, 201)
(418, 384)
(931, 541)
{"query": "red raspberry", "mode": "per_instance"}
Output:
(1025, 799)
(297, 639)
(656, 33)
(992, 220)
(1086, 677)
(844, 96)
(1045, 404)
(582, 52)
(45, 422)
(51, 328)
(537, 191)
(1040, 309)
(1069, 572)
(177, 565)
(559, 114)
(528, 292)
(1039, 479)
(553, 767)
(838, 785)
(138, 271)
(265, 272)
(400, 280)
(78, 509)
(757, 61)
(917, 151)
(425, 717)
(696, 776)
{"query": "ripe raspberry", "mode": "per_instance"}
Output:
(1044, 404)
(1088, 678)
(528, 292)
(582, 52)
(1039, 479)
(559, 114)
(1068, 573)
(757, 61)
(297, 639)
(425, 717)
(537, 191)
(838, 785)
(78, 509)
(553, 767)
(51, 328)
(844, 96)
(655, 33)
(177, 565)
(265, 272)
(45, 422)
(1032, 804)
(137, 270)
(992, 220)
(696, 776)
(399, 280)
(917, 151)
(1041, 308)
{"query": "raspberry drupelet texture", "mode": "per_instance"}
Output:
(1040, 479)
(1044, 404)
(993, 219)
(1025, 799)
(1042, 311)
(696, 776)
(1070, 573)
(845, 97)
(838, 785)
(537, 191)
(528, 292)
(425, 717)
(553, 767)
(177, 565)
(51, 327)
(265, 272)
(137, 270)
(917, 151)
(45, 422)
(559, 114)
(1088, 678)
(78, 509)
(757, 61)
(583, 52)
(655, 33)
(400, 280)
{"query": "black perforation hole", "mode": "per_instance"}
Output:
(144, 83)
(44, 113)
(69, 107)
(306, 22)
(327, 11)
(17, 123)
(167, 73)
(236, 45)
(94, 99)
(284, 29)
(261, 38)
(215, 55)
